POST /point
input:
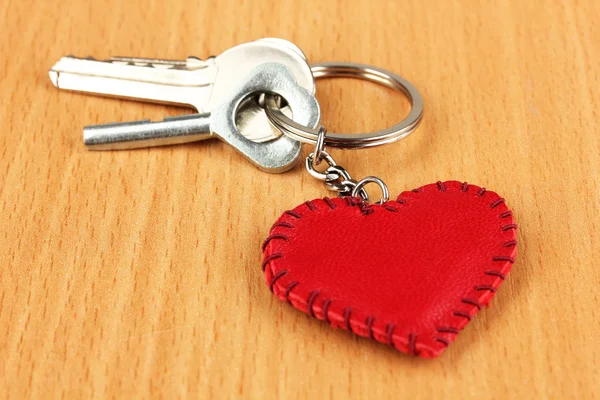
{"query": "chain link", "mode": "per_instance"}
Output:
(336, 178)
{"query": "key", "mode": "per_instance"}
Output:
(191, 83)
(277, 155)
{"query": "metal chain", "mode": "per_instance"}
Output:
(336, 178)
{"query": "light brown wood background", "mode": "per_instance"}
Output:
(137, 273)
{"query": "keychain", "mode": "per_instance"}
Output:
(410, 272)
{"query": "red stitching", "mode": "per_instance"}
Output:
(389, 334)
(358, 201)
(329, 203)
(462, 314)
(271, 237)
(283, 225)
(447, 329)
(270, 258)
(289, 289)
(412, 344)
(390, 328)
(496, 273)
(311, 302)
(365, 208)
(503, 258)
(369, 323)
(293, 214)
(347, 314)
(310, 205)
(326, 305)
(276, 278)
(485, 287)
(496, 203)
(472, 302)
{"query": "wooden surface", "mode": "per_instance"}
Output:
(137, 273)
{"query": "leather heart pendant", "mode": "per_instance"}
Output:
(410, 273)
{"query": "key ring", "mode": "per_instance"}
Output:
(361, 140)
(335, 177)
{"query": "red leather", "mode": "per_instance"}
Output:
(410, 273)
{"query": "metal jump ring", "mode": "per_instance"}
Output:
(319, 146)
(360, 140)
(385, 194)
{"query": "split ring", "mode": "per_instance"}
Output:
(361, 140)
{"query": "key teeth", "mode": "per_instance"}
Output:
(190, 64)
(193, 60)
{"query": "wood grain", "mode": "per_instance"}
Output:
(137, 273)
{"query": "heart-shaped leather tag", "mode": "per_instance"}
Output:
(410, 273)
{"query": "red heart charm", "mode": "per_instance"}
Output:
(410, 273)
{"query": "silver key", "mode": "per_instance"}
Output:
(274, 156)
(196, 83)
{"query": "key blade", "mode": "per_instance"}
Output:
(167, 72)
(145, 133)
(151, 80)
